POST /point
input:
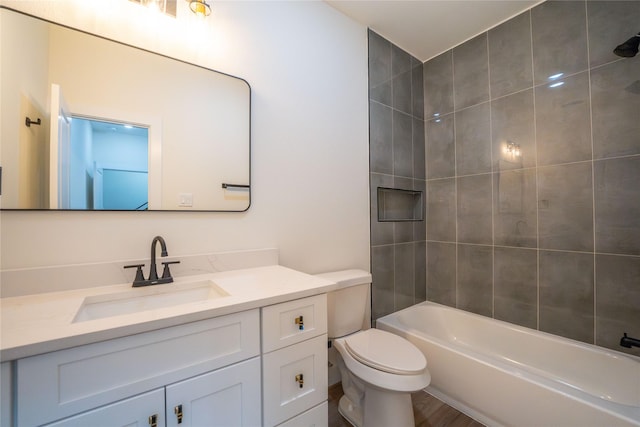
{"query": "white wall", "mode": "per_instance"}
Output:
(307, 66)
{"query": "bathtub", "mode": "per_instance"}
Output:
(506, 375)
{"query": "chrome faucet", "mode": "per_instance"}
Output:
(153, 271)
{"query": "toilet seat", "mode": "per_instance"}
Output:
(386, 352)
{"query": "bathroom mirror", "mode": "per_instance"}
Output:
(92, 124)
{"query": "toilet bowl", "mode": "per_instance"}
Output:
(378, 370)
(383, 369)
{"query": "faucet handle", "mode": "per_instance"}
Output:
(139, 274)
(166, 273)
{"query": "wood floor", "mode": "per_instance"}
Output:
(427, 411)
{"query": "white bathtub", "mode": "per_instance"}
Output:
(505, 375)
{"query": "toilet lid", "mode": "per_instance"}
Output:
(386, 352)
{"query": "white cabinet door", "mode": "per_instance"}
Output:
(138, 411)
(227, 397)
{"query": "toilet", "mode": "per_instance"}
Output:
(379, 370)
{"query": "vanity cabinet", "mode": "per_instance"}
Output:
(53, 386)
(294, 373)
(266, 366)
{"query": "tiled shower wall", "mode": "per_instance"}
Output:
(397, 160)
(533, 176)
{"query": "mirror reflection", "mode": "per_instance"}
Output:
(120, 128)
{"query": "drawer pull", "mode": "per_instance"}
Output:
(300, 380)
(178, 411)
(153, 420)
(300, 322)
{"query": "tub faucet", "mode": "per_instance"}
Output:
(629, 342)
(153, 270)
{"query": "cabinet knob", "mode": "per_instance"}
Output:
(153, 420)
(300, 380)
(300, 322)
(178, 411)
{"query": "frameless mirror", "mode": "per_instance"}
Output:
(91, 124)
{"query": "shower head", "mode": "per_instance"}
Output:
(629, 48)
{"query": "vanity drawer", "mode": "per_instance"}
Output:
(294, 379)
(62, 383)
(293, 321)
(314, 417)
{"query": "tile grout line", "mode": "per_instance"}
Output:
(455, 177)
(493, 196)
(593, 179)
(535, 128)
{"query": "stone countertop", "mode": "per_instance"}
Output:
(41, 323)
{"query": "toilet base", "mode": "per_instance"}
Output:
(349, 413)
(382, 408)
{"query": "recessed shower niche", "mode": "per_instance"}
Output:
(395, 204)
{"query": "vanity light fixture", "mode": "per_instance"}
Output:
(200, 7)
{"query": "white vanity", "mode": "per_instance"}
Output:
(250, 350)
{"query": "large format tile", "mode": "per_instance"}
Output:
(403, 230)
(400, 60)
(402, 144)
(510, 64)
(563, 121)
(382, 288)
(610, 23)
(566, 294)
(420, 273)
(438, 85)
(475, 279)
(515, 211)
(471, 72)
(440, 147)
(615, 102)
(516, 286)
(473, 140)
(380, 138)
(420, 226)
(401, 92)
(441, 273)
(512, 121)
(381, 232)
(417, 91)
(559, 30)
(405, 275)
(474, 209)
(418, 136)
(441, 210)
(617, 300)
(379, 59)
(565, 207)
(617, 205)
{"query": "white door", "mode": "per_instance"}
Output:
(227, 397)
(138, 411)
(59, 150)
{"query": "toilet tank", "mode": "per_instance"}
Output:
(347, 305)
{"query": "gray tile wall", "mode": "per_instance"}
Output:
(548, 237)
(397, 160)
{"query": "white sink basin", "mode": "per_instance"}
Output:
(147, 298)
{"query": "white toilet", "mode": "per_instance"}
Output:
(379, 370)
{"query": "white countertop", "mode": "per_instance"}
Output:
(35, 324)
